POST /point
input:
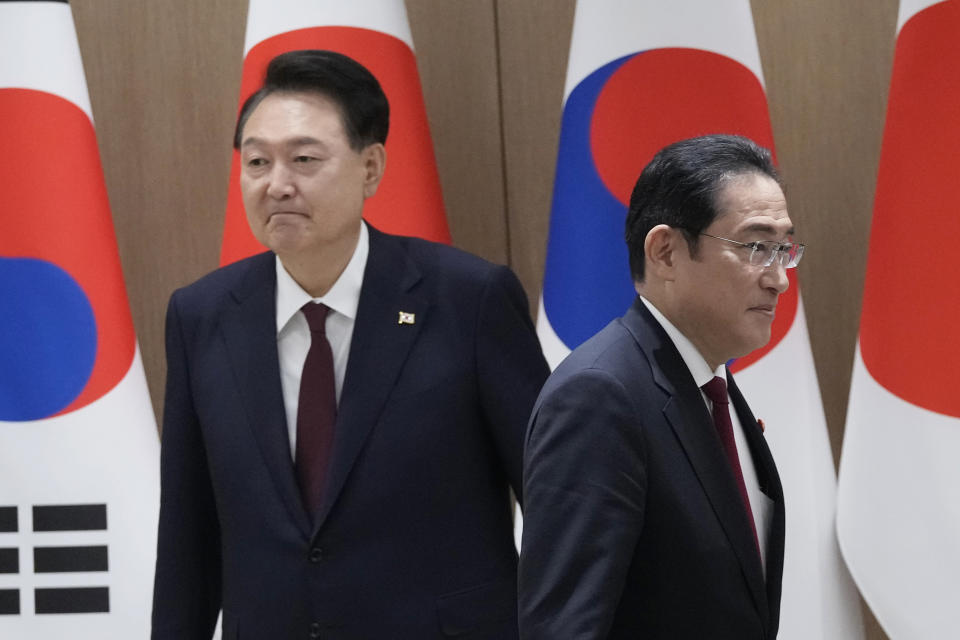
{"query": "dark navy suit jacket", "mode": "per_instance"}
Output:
(414, 539)
(633, 523)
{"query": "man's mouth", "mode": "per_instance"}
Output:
(285, 212)
(766, 309)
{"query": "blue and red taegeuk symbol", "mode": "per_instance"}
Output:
(614, 121)
(911, 297)
(66, 336)
(408, 201)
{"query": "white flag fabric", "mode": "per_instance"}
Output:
(899, 501)
(79, 453)
(376, 34)
(643, 74)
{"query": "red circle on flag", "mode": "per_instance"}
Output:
(408, 200)
(664, 95)
(660, 96)
(911, 298)
(54, 207)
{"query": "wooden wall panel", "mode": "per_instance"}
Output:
(163, 81)
(534, 39)
(456, 55)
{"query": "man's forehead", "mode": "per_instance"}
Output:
(763, 225)
(753, 202)
(293, 119)
(774, 220)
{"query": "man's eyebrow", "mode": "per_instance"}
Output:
(292, 142)
(302, 141)
(762, 227)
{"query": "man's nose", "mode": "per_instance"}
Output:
(775, 277)
(280, 183)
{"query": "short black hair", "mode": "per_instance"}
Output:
(680, 186)
(363, 106)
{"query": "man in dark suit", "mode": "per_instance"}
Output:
(344, 415)
(651, 510)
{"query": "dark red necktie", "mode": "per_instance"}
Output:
(716, 390)
(316, 411)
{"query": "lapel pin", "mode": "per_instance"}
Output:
(763, 427)
(407, 318)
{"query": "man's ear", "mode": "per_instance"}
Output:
(660, 251)
(374, 164)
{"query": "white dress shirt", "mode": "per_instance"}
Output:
(760, 504)
(293, 332)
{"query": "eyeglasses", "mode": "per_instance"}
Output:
(764, 253)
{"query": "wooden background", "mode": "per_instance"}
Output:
(164, 79)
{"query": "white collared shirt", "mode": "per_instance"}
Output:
(293, 332)
(760, 504)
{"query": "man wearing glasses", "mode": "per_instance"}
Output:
(653, 508)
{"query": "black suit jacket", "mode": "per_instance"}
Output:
(414, 539)
(633, 523)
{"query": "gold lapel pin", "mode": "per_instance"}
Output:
(407, 318)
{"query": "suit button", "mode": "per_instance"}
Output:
(315, 630)
(316, 554)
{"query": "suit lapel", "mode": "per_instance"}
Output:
(378, 350)
(687, 414)
(250, 332)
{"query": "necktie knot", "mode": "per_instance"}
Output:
(716, 390)
(316, 314)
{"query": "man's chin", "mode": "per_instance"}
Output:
(284, 240)
(756, 341)
(761, 341)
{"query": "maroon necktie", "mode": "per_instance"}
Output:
(316, 411)
(716, 390)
